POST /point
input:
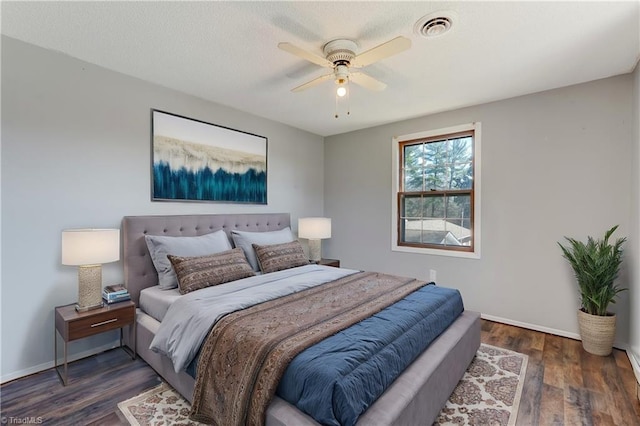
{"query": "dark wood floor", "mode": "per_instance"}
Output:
(96, 385)
(564, 385)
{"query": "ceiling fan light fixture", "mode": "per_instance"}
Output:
(434, 24)
(340, 57)
(342, 81)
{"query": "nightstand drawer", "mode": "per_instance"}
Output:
(94, 324)
(330, 262)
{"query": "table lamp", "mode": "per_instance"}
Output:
(314, 229)
(88, 249)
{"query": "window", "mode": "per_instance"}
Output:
(437, 191)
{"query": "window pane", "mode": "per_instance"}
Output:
(433, 206)
(461, 176)
(461, 150)
(412, 179)
(411, 231)
(411, 206)
(413, 155)
(459, 218)
(460, 164)
(458, 206)
(435, 158)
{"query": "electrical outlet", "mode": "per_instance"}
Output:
(432, 275)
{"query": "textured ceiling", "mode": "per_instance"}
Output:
(227, 52)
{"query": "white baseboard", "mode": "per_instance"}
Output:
(543, 329)
(635, 363)
(534, 327)
(47, 365)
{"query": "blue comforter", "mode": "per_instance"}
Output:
(336, 380)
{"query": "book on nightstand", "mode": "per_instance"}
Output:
(116, 299)
(115, 293)
(115, 289)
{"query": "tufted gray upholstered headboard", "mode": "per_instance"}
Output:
(139, 272)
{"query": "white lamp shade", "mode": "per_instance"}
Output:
(90, 246)
(314, 228)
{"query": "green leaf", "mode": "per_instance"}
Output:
(596, 265)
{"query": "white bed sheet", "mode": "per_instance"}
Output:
(155, 302)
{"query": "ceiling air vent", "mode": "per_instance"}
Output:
(434, 24)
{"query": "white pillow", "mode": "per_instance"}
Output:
(245, 241)
(160, 246)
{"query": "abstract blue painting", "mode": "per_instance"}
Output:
(197, 161)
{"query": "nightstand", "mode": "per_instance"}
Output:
(329, 262)
(73, 325)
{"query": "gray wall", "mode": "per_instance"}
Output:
(634, 252)
(554, 163)
(76, 153)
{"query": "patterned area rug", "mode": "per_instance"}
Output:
(158, 406)
(490, 390)
(488, 394)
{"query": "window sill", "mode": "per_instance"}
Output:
(436, 252)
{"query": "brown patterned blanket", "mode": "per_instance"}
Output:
(247, 352)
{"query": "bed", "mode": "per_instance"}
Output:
(415, 397)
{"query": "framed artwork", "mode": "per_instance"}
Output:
(197, 161)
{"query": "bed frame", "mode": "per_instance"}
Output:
(415, 397)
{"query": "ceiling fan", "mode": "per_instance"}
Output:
(340, 56)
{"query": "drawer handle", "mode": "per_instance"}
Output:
(104, 322)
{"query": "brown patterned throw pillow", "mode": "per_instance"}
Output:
(199, 272)
(277, 257)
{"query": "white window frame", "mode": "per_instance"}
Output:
(395, 185)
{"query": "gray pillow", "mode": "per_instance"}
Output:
(160, 246)
(245, 241)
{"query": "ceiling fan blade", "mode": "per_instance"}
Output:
(301, 53)
(367, 81)
(382, 51)
(313, 82)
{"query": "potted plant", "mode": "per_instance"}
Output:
(596, 265)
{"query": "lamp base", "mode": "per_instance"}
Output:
(315, 250)
(88, 308)
(89, 287)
